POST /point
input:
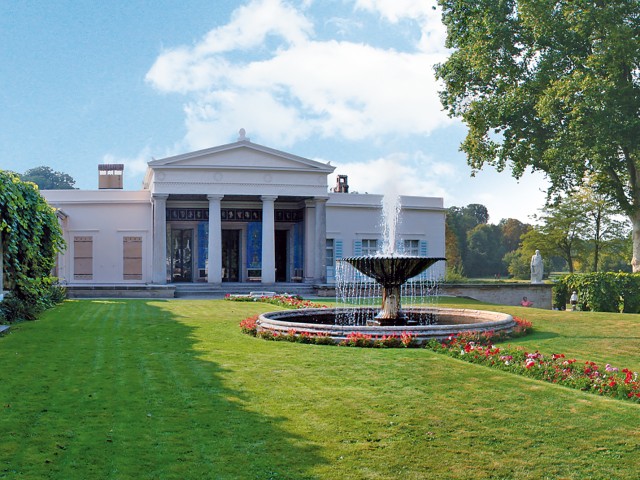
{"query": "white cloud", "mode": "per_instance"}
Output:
(210, 119)
(423, 12)
(294, 87)
(188, 69)
(422, 175)
(417, 174)
(503, 195)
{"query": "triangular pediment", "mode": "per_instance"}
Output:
(242, 155)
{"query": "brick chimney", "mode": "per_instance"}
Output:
(110, 176)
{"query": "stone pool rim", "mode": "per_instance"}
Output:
(479, 321)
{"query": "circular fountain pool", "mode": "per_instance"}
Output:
(443, 323)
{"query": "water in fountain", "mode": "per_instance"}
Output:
(354, 289)
(388, 278)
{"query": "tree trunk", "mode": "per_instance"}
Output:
(635, 236)
(596, 239)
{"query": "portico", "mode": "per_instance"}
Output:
(209, 225)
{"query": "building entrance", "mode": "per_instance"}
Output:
(282, 254)
(231, 255)
(181, 255)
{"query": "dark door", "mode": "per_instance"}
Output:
(181, 255)
(282, 255)
(230, 255)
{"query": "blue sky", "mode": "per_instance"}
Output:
(346, 82)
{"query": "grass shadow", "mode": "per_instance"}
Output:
(118, 389)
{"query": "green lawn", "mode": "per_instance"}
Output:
(135, 389)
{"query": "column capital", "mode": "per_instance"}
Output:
(268, 198)
(159, 196)
(215, 196)
(320, 199)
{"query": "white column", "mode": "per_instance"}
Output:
(309, 241)
(268, 239)
(321, 239)
(159, 274)
(215, 240)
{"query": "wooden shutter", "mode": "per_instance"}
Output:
(83, 258)
(132, 258)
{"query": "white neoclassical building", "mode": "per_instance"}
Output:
(240, 212)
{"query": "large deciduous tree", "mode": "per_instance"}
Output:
(552, 85)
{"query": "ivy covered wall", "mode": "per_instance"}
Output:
(31, 239)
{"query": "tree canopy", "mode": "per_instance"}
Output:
(47, 179)
(551, 85)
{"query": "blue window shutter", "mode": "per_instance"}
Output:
(423, 248)
(357, 248)
(337, 245)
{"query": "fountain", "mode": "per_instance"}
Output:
(390, 271)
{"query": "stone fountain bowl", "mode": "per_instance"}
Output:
(392, 269)
(449, 321)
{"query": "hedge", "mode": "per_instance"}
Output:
(600, 292)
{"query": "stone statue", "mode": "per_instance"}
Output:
(536, 268)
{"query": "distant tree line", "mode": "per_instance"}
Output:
(476, 248)
(578, 232)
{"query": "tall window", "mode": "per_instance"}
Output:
(83, 258)
(331, 252)
(411, 247)
(132, 258)
(369, 247)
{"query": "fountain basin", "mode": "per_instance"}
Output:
(393, 269)
(448, 321)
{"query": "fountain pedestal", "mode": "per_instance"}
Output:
(390, 312)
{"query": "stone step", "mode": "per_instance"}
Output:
(194, 290)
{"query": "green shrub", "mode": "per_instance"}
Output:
(630, 292)
(601, 291)
(560, 295)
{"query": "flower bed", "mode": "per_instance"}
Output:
(288, 301)
(556, 368)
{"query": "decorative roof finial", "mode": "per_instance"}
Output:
(243, 135)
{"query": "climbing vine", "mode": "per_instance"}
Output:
(31, 238)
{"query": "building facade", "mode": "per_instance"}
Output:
(240, 212)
